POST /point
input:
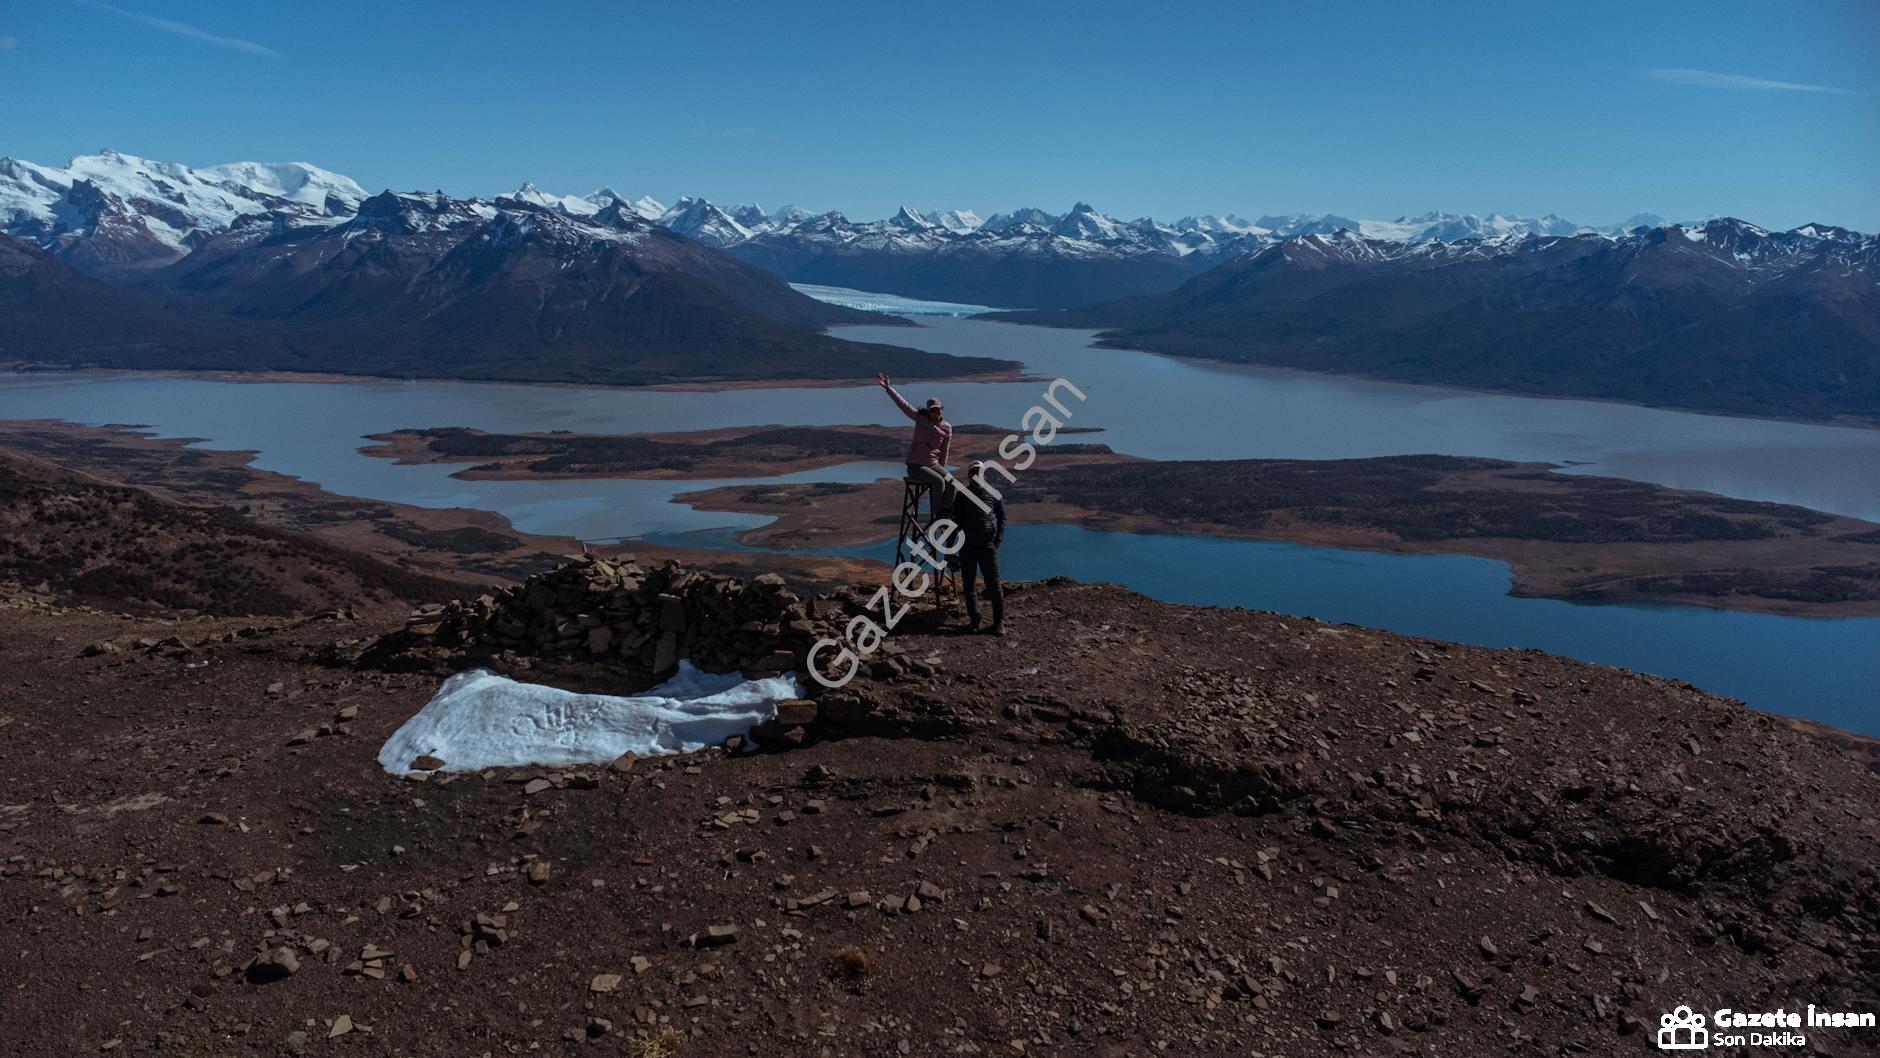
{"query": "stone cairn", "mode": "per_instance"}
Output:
(613, 617)
(600, 609)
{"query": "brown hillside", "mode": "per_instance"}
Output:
(122, 547)
(1131, 828)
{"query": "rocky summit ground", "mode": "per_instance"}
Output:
(1129, 828)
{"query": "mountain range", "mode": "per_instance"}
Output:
(1030, 258)
(289, 267)
(111, 213)
(1722, 316)
(119, 261)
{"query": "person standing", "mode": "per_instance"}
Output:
(980, 514)
(930, 444)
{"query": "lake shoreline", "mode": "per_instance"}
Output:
(797, 527)
(273, 375)
(671, 455)
(1167, 407)
(462, 543)
(1846, 422)
(1572, 537)
(832, 517)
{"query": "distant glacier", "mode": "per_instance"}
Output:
(893, 304)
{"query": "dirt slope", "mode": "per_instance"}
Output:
(1132, 828)
(117, 545)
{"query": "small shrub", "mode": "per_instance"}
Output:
(853, 965)
(663, 1045)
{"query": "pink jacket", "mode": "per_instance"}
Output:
(931, 441)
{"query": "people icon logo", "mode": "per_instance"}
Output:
(1683, 1030)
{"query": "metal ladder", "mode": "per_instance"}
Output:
(945, 580)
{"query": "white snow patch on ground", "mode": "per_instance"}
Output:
(479, 719)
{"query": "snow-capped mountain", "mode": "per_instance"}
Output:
(426, 285)
(1305, 224)
(1027, 217)
(328, 192)
(1141, 256)
(956, 220)
(1454, 227)
(1029, 257)
(701, 220)
(589, 204)
(789, 215)
(290, 265)
(1227, 225)
(751, 216)
(579, 206)
(1085, 223)
(1634, 222)
(112, 212)
(909, 219)
(109, 211)
(1721, 315)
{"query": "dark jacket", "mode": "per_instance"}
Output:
(984, 529)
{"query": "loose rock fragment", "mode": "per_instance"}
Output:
(274, 966)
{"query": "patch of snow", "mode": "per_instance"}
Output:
(956, 220)
(570, 204)
(789, 215)
(1213, 225)
(699, 219)
(174, 203)
(1636, 220)
(751, 215)
(909, 219)
(479, 719)
(1028, 216)
(294, 181)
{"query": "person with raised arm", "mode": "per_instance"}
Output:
(929, 446)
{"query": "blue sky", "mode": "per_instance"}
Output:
(1768, 111)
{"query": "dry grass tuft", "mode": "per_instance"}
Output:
(853, 965)
(664, 1045)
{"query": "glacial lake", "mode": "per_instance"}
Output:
(1824, 669)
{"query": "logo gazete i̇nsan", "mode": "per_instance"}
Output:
(1685, 1030)
(1682, 1030)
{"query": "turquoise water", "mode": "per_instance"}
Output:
(1823, 669)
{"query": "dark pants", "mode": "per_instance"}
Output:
(975, 560)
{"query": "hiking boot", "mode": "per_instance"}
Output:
(996, 630)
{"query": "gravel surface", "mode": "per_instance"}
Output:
(1129, 828)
